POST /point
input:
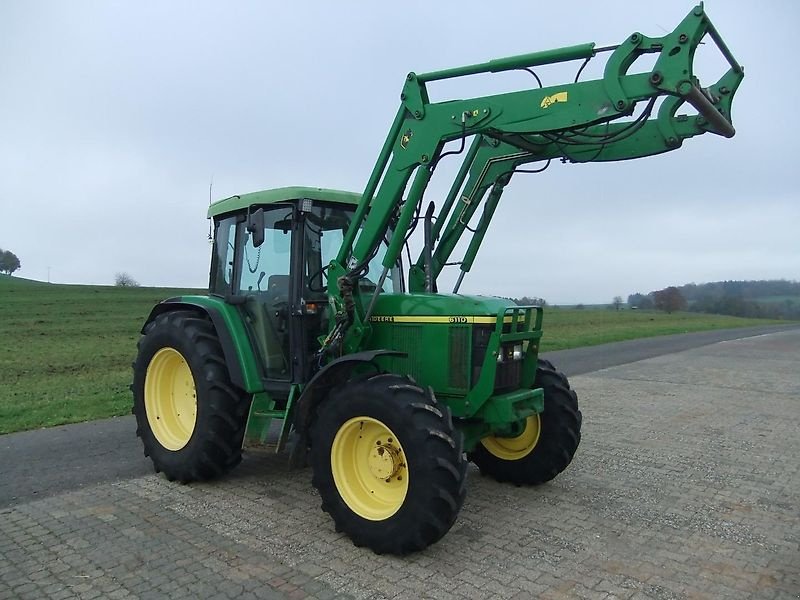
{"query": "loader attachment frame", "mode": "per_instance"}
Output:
(574, 122)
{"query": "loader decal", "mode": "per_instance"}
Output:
(406, 137)
(548, 101)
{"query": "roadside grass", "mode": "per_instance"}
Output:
(66, 350)
(565, 328)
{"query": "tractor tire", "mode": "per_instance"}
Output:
(546, 445)
(189, 415)
(388, 463)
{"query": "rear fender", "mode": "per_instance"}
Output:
(230, 328)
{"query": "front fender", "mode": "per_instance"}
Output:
(239, 356)
(327, 378)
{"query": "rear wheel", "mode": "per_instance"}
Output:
(190, 417)
(388, 464)
(547, 443)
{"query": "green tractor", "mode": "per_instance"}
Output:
(386, 386)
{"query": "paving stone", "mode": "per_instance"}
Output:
(686, 485)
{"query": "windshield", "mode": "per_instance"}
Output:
(326, 226)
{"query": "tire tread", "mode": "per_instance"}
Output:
(559, 438)
(432, 505)
(216, 444)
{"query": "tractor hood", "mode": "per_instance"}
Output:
(437, 308)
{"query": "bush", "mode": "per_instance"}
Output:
(125, 280)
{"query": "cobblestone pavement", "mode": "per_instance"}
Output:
(686, 485)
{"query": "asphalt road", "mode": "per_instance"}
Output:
(41, 463)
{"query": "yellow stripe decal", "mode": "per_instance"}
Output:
(448, 319)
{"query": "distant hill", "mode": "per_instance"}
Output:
(9, 281)
(18, 292)
(774, 298)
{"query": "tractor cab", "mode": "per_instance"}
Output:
(271, 253)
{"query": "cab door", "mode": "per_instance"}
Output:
(255, 274)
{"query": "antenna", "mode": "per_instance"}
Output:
(210, 187)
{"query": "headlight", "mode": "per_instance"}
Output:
(506, 353)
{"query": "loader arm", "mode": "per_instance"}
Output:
(490, 164)
(574, 122)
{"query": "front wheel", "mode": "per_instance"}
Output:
(388, 464)
(547, 443)
(190, 417)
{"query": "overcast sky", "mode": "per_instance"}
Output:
(115, 117)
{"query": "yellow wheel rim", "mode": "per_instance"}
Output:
(515, 448)
(170, 399)
(369, 468)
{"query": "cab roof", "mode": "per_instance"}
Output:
(283, 194)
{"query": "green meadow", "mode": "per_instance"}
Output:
(66, 350)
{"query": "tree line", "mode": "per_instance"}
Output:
(777, 299)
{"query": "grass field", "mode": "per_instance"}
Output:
(570, 328)
(66, 350)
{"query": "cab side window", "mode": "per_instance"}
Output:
(223, 257)
(263, 266)
(262, 277)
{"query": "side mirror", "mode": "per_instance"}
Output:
(255, 226)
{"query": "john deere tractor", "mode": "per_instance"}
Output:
(385, 385)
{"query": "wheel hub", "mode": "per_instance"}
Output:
(384, 461)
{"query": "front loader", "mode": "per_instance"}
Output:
(386, 384)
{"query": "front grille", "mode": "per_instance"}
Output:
(406, 338)
(508, 377)
(509, 372)
(480, 340)
(458, 344)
